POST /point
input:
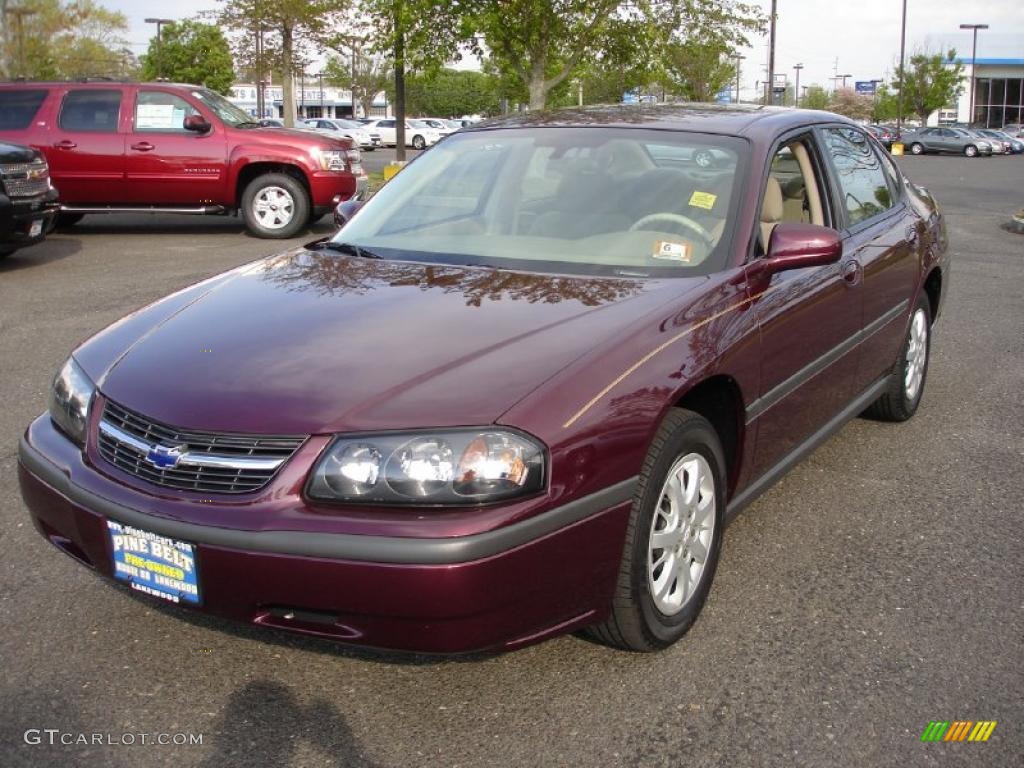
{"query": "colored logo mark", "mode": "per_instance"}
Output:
(958, 730)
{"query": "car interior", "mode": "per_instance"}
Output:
(792, 192)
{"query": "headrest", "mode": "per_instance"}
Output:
(772, 208)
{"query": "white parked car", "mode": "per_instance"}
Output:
(442, 126)
(366, 139)
(418, 134)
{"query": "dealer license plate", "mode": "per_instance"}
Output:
(154, 564)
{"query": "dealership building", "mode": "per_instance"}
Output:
(999, 94)
(311, 100)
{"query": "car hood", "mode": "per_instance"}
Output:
(316, 342)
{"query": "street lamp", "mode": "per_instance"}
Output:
(771, 57)
(796, 88)
(974, 54)
(20, 13)
(903, 55)
(159, 55)
(738, 58)
(843, 78)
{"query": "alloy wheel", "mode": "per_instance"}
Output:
(917, 355)
(682, 531)
(273, 207)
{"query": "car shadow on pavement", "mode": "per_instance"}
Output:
(43, 253)
(263, 723)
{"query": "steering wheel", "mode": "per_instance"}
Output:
(676, 218)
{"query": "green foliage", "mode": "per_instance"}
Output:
(64, 40)
(451, 93)
(815, 98)
(365, 75)
(932, 81)
(697, 70)
(190, 52)
(885, 108)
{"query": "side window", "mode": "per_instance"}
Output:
(386, 124)
(90, 110)
(895, 183)
(17, 108)
(160, 112)
(863, 187)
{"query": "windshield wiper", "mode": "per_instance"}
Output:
(350, 248)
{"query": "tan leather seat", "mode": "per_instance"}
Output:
(772, 209)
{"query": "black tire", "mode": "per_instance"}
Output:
(971, 151)
(418, 142)
(636, 623)
(916, 149)
(895, 404)
(300, 206)
(68, 220)
(5, 252)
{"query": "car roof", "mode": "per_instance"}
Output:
(733, 120)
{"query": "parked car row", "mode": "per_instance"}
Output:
(972, 142)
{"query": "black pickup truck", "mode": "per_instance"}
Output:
(28, 201)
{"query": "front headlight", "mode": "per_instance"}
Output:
(337, 159)
(70, 397)
(438, 467)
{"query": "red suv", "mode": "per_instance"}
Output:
(157, 147)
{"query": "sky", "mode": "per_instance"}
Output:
(864, 35)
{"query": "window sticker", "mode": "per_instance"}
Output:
(672, 251)
(703, 200)
(158, 117)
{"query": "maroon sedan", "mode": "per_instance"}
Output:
(519, 393)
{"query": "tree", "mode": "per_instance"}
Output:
(931, 82)
(697, 71)
(365, 75)
(190, 52)
(450, 93)
(545, 42)
(64, 40)
(289, 26)
(815, 98)
(885, 107)
(846, 101)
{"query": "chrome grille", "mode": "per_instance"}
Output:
(25, 179)
(208, 462)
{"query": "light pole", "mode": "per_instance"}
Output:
(738, 58)
(20, 13)
(903, 56)
(796, 88)
(771, 56)
(159, 54)
(843, 78)
(974, 55)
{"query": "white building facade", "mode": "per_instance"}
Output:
(311, 100)
(999, 95)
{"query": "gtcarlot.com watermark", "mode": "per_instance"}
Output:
(56, 737)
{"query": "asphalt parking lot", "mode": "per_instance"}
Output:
(876, 588)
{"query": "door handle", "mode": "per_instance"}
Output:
(65, 144)
(143, 146)
(851, 272)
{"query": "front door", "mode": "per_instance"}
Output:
(86, 152)
(167, 165)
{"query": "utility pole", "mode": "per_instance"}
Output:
(20, 13)
(739, 58)
(903, 56)
(159, 45)
(796, 88)
(771, 56)
(843, 78)
(974, 57)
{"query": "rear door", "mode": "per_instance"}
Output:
(386, 129)
(167, 165)
(86, 146)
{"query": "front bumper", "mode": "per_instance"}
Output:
(18, 215)
(497, 590)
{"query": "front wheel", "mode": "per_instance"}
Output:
(970, 150)
(673, 538)
(916, 149)
(275, 206)
(903, 395)
(418, 142)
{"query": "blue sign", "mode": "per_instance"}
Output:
(724, 96)
(630, 97)
(154, 564)
(865, 87)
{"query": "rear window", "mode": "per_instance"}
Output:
(90, 110)
(17, 108)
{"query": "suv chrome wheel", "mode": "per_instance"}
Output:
(273, 207)
(681, 532)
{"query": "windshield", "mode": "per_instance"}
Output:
(420, 124)
(628, 202)
(347, 124)
(224, 109)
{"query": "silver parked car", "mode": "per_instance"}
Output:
(957, 141)
(365, 138)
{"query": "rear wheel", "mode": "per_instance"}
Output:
(970, 150)
(275, 206)
(916, 149)
(673, 538)
(418, 142)
(903, 395)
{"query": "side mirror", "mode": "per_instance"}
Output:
(795, 245)
(195, 123)
(346, 211)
